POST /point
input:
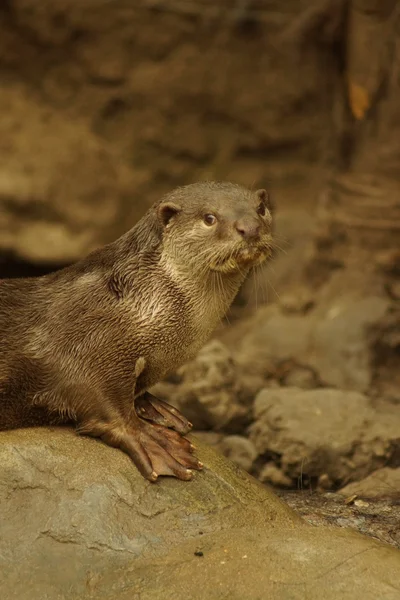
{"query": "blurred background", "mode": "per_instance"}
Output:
(105, 106)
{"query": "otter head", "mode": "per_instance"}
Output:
(215, 227)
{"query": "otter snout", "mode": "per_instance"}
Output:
(248, 228)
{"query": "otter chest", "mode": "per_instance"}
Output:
(174, 337)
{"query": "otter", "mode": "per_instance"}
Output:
(84, 344)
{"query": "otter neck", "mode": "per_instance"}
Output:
(210, 292)
(222, 289)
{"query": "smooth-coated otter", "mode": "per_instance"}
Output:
(85, 343)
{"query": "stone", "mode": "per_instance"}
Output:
(382, 483)
(338, 434)
(60, 190)
(270, 473)
(301, 377)
(332, 342)
(239, 449)
(78, 521)
(208, 389)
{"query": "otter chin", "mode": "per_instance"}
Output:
(245, 258)
(84, 344)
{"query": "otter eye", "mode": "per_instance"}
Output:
(261, 209)
(210, 219)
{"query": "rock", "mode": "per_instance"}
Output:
(333, 341)
(301, 377)
(394, 289)
(61, 193)
(325, 482)
(271, 474)
(77, 503)
(208, 390)
(238, 449)
(312, 564)
(299, 300)
(340, 350)
(248, 386)
(324, 432)
(382, 483)
(272, 337)
(212, 438)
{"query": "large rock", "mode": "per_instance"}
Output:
(252, 564)
(326, 433)
(77, 503)
(78, 521)
(334, 340)
(383, 483)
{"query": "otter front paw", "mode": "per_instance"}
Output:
(156, 450)
(153, 409)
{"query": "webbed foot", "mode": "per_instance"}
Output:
(156, 450)
(153, 409)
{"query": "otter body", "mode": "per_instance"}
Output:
(85, 343)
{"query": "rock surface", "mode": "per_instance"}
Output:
(331, 341)
(284, 565)
(240, 450)
(61, 191)
(78, 521)
(77, 503)
(332, 433)
(383, 483)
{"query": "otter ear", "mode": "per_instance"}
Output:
(266, 199)
(167, 211)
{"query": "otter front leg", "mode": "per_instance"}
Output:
(153, 409)
(154, 449)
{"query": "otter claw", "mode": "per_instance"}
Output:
(153, 409)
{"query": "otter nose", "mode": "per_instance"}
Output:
(249, 229)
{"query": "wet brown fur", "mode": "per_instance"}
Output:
(80, 344)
